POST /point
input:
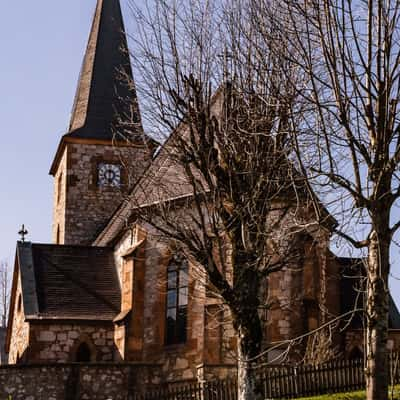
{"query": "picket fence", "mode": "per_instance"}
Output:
(283, 382)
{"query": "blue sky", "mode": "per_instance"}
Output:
(42, 45)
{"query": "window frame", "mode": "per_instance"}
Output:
(177, 290)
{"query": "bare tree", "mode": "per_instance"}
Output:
(4, 292)
(349, 142)
(229, 199)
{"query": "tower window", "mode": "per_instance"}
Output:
(58, 235)
(177, 301)
(19, 303)
(59, 187)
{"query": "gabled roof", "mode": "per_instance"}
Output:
(165, 180)
(68, 282)
(106, 93)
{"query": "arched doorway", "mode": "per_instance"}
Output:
(356, 354)
(83, 353)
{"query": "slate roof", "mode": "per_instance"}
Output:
(68, 282)
(352, 293)
(103, 96)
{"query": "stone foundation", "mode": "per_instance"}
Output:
(59, 342)
(355, 340)
(77, 381)
(211, 372)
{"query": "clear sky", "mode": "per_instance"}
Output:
(42, 45)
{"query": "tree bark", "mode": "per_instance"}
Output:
(247, 382)
(377, 368)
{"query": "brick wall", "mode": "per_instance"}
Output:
(76, 381)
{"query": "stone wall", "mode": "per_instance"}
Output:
(19, 328)
(211, 339)
(59, 200)
(354, 339)
(59, 342)
(81, 206)
(77, 381)
(179, 361)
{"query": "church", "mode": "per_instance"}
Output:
(105, 289)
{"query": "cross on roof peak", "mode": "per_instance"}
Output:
(23, 232)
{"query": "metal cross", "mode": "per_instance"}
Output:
(23, 232)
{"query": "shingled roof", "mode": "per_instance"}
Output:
(105, 93)
(68, 282)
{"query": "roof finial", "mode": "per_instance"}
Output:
(23, 232)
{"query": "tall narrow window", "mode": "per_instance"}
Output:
(177, 301)
(58, 235)
(59, 187)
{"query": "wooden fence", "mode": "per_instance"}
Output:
(283, 382)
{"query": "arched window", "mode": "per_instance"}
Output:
(83, 353)
(355, 354)
(177, 301)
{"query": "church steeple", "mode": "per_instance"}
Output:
(106, 94)
(104, 152)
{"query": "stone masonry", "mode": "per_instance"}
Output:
(77, 381)
(20, 329)
(59, 342)
(81, 206)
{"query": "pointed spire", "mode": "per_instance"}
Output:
(106, 99)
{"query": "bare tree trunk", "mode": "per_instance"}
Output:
(246, 321)
(247, 384)
(5, 293)
(377, 368)
(248, 349)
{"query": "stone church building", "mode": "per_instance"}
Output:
(106, 290)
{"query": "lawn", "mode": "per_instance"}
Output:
(352, 396)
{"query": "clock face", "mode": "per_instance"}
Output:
(109, 175)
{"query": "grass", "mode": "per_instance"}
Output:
(352, 396)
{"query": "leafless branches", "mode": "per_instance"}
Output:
(5, 280)
(223, 187)
(348, 142)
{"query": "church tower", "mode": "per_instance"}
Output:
(105, 150)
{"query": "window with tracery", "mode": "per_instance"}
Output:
(177, 301)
